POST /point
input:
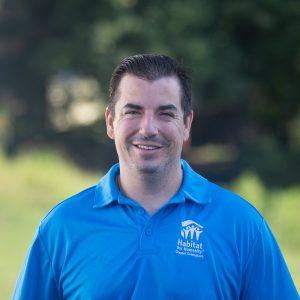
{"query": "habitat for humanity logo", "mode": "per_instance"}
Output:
(189, 243)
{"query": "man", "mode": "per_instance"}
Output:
(153, 228)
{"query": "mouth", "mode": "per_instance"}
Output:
(147, 147)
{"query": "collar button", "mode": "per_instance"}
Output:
(148, 231)
(140, 211)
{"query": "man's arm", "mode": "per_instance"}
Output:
(36, 279)
(266, 275)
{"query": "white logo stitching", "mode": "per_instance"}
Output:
(191, 229)
(189, 245)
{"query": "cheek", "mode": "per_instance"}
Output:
(124, 128)
(180, 131)
(173, 132)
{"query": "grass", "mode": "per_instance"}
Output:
(32, 183)
(281, 209)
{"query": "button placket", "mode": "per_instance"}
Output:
(148, 231)
(147, 238)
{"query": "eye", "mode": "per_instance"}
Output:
(167, 114)
(132, 112)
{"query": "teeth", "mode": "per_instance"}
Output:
(146, 147)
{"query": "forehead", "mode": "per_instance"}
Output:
(165, 90)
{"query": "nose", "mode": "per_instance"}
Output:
(148, 126)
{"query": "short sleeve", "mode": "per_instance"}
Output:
(36, 279)
(266, 275)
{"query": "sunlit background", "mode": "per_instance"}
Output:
(56, 58)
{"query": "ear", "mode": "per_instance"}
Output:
(109, 123)
(187, 126)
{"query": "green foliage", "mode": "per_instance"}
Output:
(244, 55)
(30, 185)
(280, 207)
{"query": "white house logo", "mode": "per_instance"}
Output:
(191, 229)
(189, 243)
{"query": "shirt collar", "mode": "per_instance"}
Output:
(194, 187)
(107, 189)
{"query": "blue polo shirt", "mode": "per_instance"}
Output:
(204, 243)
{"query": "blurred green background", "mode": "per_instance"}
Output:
(56, 58)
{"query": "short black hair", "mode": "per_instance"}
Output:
(152, 67)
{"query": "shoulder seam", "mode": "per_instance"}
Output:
(50, 260)
(253, 244)
(63, 201)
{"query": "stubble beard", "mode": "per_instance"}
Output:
(156, 167)
(151, 167)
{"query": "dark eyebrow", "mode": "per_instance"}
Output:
(132, 106)
(139, 107)
(168, 107)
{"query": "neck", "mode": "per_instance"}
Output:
(150, 190)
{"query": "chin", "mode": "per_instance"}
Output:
(148, 168)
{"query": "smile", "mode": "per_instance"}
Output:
(147, 147)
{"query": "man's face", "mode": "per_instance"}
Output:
(148, 126)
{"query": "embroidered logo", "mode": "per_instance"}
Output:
(191, 229)
(188, 243)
